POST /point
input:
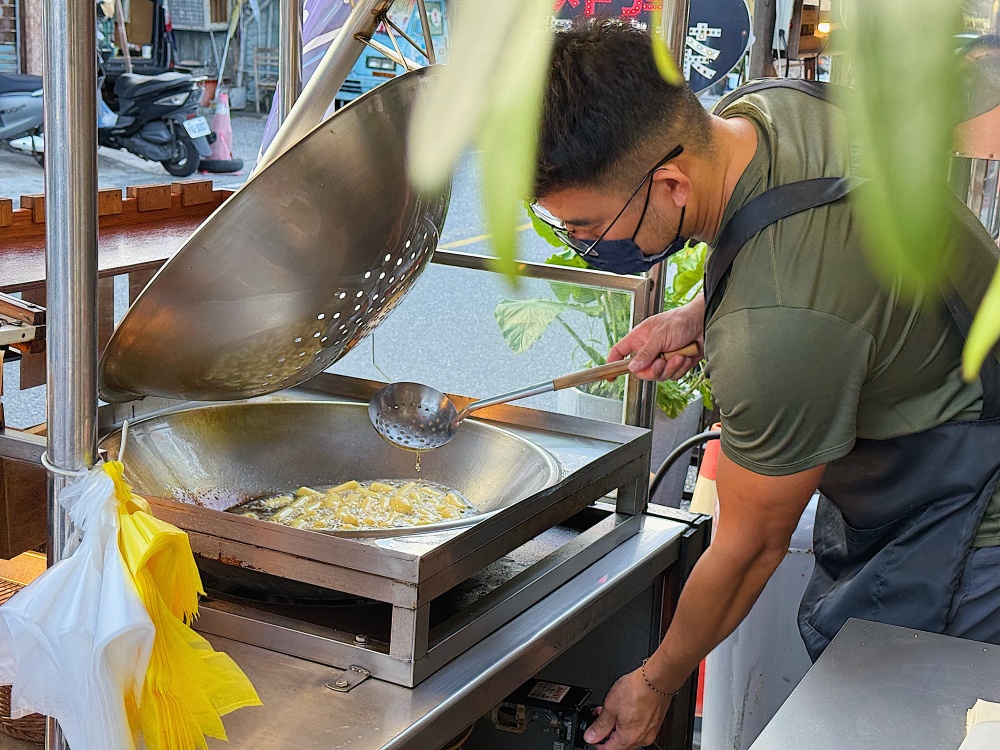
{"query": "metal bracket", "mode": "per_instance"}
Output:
(349, 679)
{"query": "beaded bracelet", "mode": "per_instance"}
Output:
(651, 686)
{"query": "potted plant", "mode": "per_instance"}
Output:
(596, 319)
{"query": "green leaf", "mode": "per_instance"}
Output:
(522, 322)
(985, 331)
(672, 398)
(567, 258)
(901, 115)
(690, 265)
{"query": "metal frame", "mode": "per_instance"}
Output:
(644, 303)
(289, 55)
(410, 574)
(979, 181)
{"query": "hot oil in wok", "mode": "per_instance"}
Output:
(360, 505)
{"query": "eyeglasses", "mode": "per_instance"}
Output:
(585, 248)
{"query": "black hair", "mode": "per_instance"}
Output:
(608, 111)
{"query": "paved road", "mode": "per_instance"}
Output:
(444, 334)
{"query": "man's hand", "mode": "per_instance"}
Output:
(630, 717)
(757, 515)
(666, 332)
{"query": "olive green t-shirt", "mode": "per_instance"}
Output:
(807, 349)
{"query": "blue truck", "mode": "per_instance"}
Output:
(374, 68)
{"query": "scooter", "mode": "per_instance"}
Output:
(21, 113)
(157, 120)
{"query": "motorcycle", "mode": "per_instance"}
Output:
(21, 113)
(157, 120)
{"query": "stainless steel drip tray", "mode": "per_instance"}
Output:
(403, 645)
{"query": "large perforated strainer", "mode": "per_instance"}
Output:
(292, 271)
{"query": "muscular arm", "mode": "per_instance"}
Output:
(757, 515)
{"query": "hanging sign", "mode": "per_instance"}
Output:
(718, 31)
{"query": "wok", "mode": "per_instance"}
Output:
(222, 455)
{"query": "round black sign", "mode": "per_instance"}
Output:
(718, 31)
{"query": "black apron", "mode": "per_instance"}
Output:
(896, 518)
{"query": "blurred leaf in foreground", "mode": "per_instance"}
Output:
(985, 331)
(661, 52)
(902, 112)
(491, 93)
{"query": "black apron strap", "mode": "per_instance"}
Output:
(773, 205)
(989, 375)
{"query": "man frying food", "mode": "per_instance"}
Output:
(825, 377)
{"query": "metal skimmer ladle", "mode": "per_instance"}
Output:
(419, 418)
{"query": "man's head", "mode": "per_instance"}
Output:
(609, 118)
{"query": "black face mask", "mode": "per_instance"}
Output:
(625, 256)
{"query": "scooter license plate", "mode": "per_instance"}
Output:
(197, 127)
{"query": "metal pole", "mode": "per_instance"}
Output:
(675, 28)
(674, 31)
(426, 26)
(333, 70)
(764, 19)
(289, 55)
(120, 25)
(69, 82)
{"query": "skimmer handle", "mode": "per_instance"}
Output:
(612, 370)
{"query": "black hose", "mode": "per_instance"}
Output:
(676, 453)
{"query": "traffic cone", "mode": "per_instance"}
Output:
(705, 498)
(222, 126)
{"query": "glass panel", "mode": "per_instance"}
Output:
(468, 332)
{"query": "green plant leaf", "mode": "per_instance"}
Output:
(985, 331)
(567, 292)
(901, 116)
(690, 265)
(566, 257)
(523, 321)
(672, 398)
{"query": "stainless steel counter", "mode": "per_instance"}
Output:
(300, 711)
(879, 687)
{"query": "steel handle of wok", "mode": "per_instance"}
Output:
(581, 377)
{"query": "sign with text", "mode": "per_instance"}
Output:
(717, 39)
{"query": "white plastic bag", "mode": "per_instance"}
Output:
(75, 643)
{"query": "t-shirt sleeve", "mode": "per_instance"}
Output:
(787, 382)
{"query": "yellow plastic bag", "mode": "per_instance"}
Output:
(189, 686)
